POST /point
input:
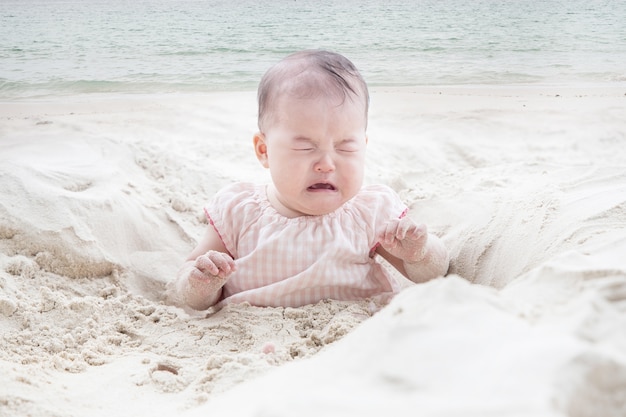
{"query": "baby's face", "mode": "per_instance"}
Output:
(315, 150)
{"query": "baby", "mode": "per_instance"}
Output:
(314, 232)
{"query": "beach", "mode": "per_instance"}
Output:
(101, 199)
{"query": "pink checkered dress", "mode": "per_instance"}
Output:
(291, 262)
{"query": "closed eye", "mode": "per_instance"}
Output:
(303, 144)
(348, 148)
(348, 145)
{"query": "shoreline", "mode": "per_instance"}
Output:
(440, 96)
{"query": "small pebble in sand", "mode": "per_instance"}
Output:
(269, 348)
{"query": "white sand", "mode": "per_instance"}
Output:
(101, 198)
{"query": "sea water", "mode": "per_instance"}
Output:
(82, 46)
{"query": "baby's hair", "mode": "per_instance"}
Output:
(308, 74)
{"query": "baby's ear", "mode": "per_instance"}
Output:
(260, 148)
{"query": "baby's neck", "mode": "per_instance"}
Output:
(272, 198)
(281, 208)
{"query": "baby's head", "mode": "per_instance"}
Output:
(310, 74)
(312, 121)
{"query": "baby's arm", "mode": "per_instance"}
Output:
(200, 280)
(417, 254)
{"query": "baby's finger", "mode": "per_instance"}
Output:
(389, 236)
(201, 282)
(224, 263)
(405, 227)
(416, 231)
(197, 275)
(205, 265)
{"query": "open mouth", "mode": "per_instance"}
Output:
(322, 186)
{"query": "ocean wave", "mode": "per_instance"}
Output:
(206, 45)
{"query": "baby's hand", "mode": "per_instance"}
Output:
(405, 239)
(211, 271)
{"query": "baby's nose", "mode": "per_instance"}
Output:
(325, 164)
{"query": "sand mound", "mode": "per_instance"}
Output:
(101, 200)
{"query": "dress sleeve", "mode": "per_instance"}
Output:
(230, 210)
